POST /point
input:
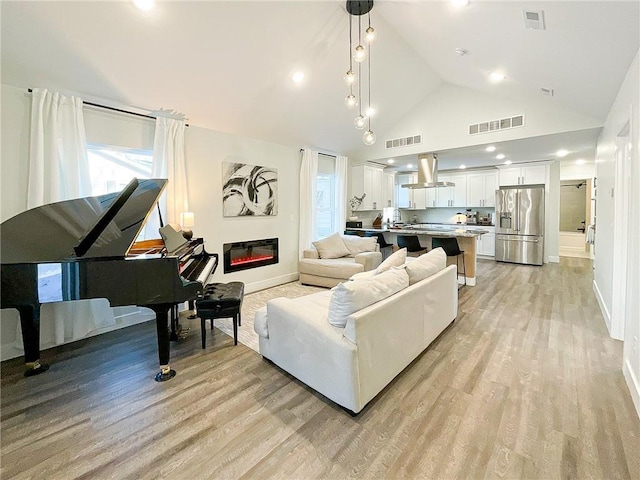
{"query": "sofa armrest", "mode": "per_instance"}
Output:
(369, 260)
(310, 253)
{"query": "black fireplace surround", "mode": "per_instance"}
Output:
(250, 254)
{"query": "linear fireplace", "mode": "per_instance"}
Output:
(251, 254)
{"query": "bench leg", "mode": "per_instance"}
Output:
(204, 332)
(236, 318)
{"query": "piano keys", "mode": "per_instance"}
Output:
(92, 242)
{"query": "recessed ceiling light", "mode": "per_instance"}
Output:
(490, 148)
(562, 153)
(144, 5)
(497, 76)
(390, 161)
(581, 161)
(459, 3)
(297, 77)
(508, 162)
(409, 165)
(500, 156)
(463, 166)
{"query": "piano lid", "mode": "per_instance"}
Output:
(50, 233)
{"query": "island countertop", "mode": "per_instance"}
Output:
(444, 231)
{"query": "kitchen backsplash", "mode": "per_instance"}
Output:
(431, 215)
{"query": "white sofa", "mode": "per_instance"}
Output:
(337, 258)
(351, 365)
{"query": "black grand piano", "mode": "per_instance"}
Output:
(91, 242)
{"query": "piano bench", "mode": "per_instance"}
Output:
(221, 300)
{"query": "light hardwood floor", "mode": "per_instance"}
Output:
(525, 384)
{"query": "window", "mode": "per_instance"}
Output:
(112, 168)
(325, 196)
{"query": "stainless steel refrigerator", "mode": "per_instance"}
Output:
(520, 225)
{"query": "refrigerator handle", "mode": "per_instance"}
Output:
(518, 211)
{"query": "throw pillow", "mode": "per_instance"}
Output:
(396, 259)
(358, 245)
(331, 247)
(426, 265)
(350, 297)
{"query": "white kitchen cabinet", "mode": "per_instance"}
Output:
(410, 197)
(368, 179)
(388, 189)
(455, 196)
(523, 175)
(481, 189)
(485, 244)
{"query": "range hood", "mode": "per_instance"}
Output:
(428, 173)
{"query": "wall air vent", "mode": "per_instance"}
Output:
(495, 125)
(404, 141)
(534, 19)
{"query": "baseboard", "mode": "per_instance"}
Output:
(471, 282)
(272, 282)
(633, 384)
(603, 307)
(553, 259)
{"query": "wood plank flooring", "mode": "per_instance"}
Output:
(525, 384)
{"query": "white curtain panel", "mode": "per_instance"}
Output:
(308, 187)
(58, 165)
(340, 217)
(169, 162)
(59, 170)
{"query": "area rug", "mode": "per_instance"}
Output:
(254, 301)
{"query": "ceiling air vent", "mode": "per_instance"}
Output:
(495, 125)
(534, 19)
(404, 141)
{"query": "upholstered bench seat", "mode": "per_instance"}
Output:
(221, 300)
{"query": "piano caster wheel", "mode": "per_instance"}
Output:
(36, 368)
(163, 377)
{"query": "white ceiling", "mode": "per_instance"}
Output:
(227, 65)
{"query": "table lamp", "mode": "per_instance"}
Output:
(187, 220)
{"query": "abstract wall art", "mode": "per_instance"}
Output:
(249, 190)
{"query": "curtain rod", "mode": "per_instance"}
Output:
(114, 109)
(334, 155)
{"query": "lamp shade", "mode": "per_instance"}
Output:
(187, 219)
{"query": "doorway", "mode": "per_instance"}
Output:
(575, 215)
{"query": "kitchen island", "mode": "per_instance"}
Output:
(425, 232)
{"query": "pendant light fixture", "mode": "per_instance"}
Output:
(359, 54)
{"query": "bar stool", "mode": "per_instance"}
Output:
(412, 244)
(382, 242)
(452, 249)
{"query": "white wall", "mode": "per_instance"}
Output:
(205, 152)
(444, 116)
(625, 108)
(571, 171)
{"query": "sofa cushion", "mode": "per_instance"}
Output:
(332, 267)
(396, 259)
(350, 297)
(357, 245)
(426, 265)
(331, 247)
(363, 275)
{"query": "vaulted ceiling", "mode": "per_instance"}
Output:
(228, 65)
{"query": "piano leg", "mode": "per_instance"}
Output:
(162, 325)
(30, 323)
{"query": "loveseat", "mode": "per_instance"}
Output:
(336, 258)
(349, 352)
